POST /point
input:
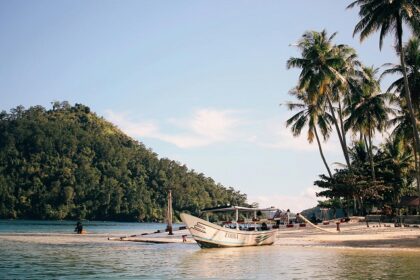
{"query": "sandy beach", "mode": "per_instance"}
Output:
(352, 235)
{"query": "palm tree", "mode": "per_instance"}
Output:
(412, 59)
(388, 16)
(342, 89)
(320, 65)
(364, 189)
(394, 162)
(402, 122)
(403, 131)
(368, 111)
(312, 115)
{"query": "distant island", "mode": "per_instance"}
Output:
(68, 163)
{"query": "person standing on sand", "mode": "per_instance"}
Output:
(79, 228)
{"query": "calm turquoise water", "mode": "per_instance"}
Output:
(98, 258)
(29, 226)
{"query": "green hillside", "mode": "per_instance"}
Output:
(68, 163)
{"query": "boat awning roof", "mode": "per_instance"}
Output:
(239, 208)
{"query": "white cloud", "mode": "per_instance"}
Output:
(296, 203)
(205, 127)
(278, 136)
(216, 125)
(209, 126)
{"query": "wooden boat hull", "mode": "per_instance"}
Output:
(209, 235)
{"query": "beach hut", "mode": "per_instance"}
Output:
(411, 203)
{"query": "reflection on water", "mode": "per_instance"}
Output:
(277, 262)
(99, 258)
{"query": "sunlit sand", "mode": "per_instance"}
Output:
(352, 235)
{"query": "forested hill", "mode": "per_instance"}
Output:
(68, 163)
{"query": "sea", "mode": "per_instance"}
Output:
(46, 250)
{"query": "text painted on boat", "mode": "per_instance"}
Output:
(199, 227)
(231, 235)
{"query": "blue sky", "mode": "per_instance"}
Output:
(199, 82)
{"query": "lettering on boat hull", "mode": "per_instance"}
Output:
(231, 235)
(199, 227)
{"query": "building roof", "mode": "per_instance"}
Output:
(410, 201)
(239, 208)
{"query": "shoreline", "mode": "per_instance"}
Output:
(351, 236)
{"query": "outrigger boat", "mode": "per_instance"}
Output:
(254, 232)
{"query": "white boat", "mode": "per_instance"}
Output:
(209, 235)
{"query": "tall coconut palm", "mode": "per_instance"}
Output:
(412, 59)
(388, 16)
(369, 111)
(402, 122)
(311, 115)
(342, 89)
(403, 131)
(320, 63)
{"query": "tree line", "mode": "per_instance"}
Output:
(337, 94)
(68, 163)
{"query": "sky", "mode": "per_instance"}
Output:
(199, 82)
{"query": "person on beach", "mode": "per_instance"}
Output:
(313, 219)
(264, 226)
(79, 228)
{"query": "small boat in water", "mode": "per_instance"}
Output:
(254, 232)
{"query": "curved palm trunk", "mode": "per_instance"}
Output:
(354, 205)
(366, 142)
(340, 115)
(320, 151)
(343, 147)
(408, 100)
(371, 157)
(416, 162)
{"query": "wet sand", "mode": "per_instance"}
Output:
(352, 235)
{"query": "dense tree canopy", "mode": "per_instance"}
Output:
(334, 87)
(68, 163)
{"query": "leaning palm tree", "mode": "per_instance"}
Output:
(369, 111)
(320, 65)
(311, 115)
(342, 89)
(389, 16)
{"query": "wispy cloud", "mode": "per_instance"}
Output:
(208, 126)
(203, 128)
(278, 136)
(296, 203)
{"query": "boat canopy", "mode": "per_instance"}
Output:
(238, 208)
